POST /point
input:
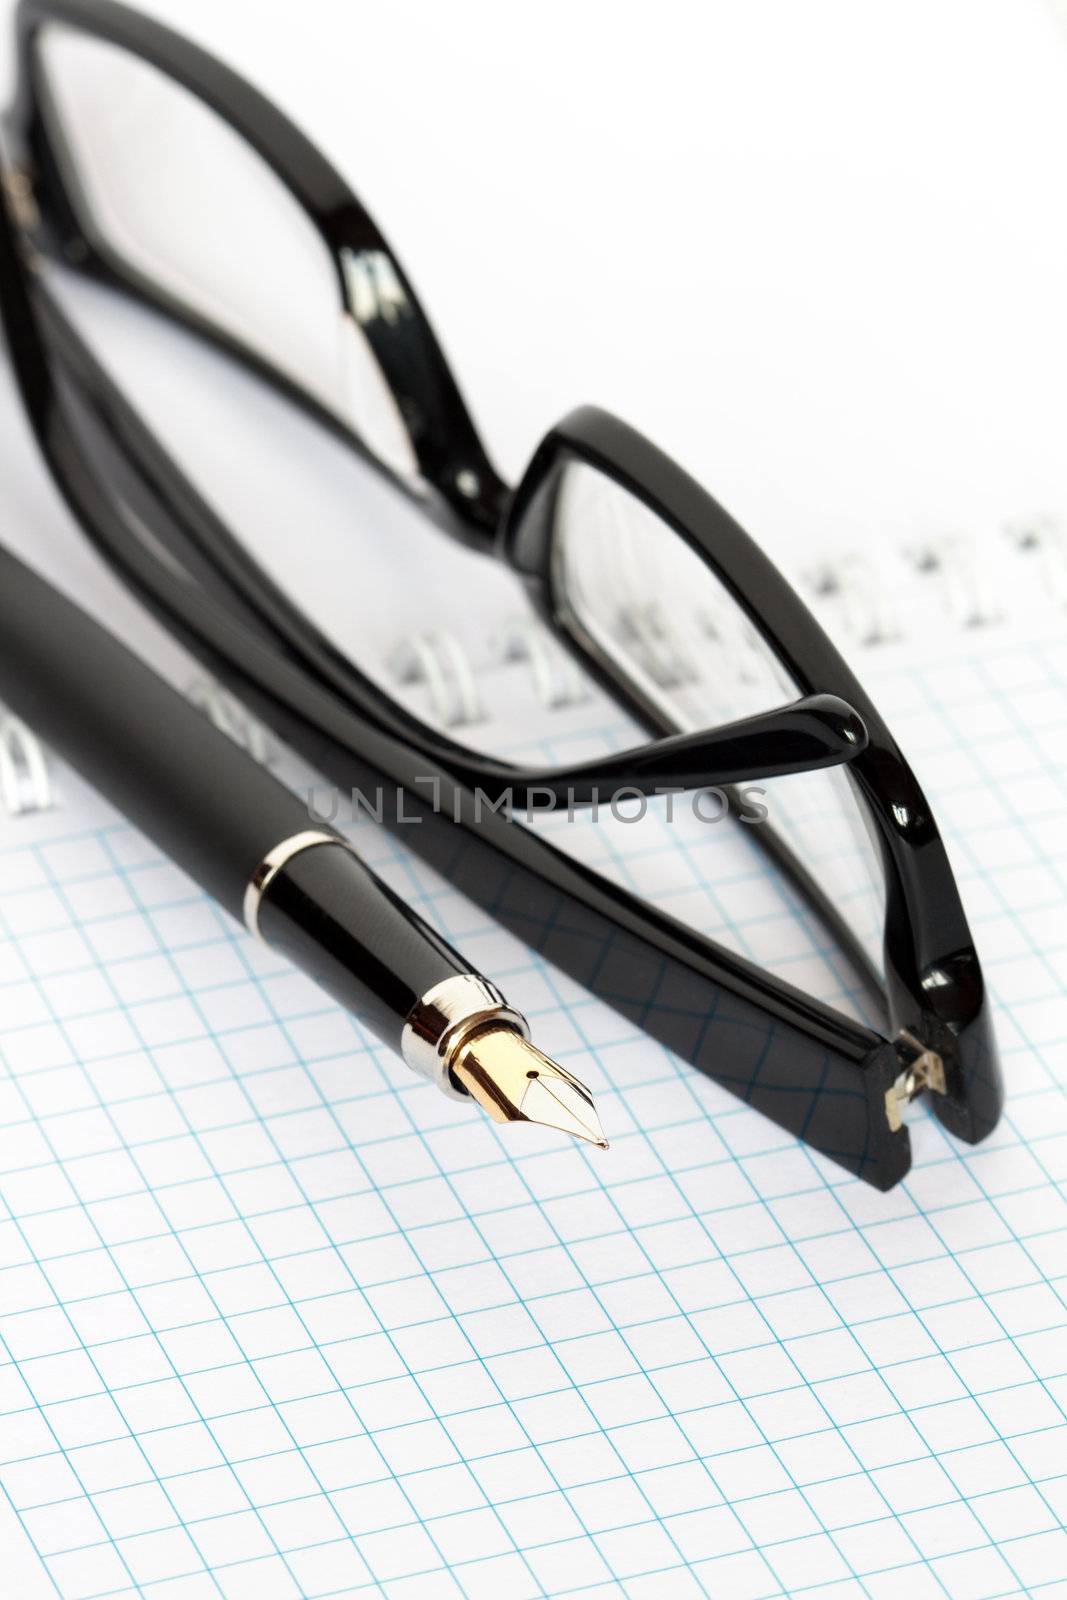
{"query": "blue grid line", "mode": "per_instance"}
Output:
(742, 1299)
(471, 1220)
(373, 1049)
(807, 1154)
(766, 1439)
(444, 1366)
(86, 1350)
(771, 1207)
(314, 1343)
(491, 1455)
(680, 1073)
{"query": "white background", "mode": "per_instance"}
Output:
(819, 251)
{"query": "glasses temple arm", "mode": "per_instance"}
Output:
(818, 731)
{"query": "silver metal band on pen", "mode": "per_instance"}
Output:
(439, 1023)
(273, 862)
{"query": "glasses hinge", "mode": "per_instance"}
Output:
(923, 1069)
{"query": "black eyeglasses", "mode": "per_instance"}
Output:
(628, 561)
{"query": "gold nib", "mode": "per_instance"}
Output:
(514, 1082)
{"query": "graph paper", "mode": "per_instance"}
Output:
(278, 1321)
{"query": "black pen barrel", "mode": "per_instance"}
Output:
(212, 808)
(193, 790)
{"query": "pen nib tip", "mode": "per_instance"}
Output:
(514, 1082)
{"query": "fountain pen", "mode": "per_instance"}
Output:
(249, 841)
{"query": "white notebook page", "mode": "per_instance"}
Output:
(276, 1319)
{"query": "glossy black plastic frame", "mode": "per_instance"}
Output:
(811, 1069)
(457, 486)
(933, 979)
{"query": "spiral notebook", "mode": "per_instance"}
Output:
(278, 1321)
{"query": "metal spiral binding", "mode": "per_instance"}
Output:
(963, 582)
(1043, 541)
(557, 682)
(25, 778)
(852, 589)
(650, 635)
(859, 596)
(439, 662)
(26, 784)
(232, 719)
(968, 590)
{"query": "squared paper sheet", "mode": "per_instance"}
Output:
(277, 1321)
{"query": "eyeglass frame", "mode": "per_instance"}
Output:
(934, 991)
